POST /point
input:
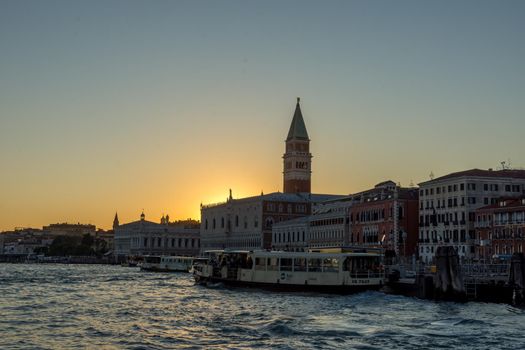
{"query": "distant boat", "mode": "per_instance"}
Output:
(130, 263)
(167, 263)
(341, 273)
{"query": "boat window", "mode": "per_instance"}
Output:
(331, 265)
(272, 264)
(286, 264)
(314, 265)
(362, 266)
(347, 264)
(299, 264)
(260, 264)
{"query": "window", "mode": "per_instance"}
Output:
(272, 264)
(299, 264)
(260, 264)
(286, 264)
(331, 265)
(236, 220)
(314, 265)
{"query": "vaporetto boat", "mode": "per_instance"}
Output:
(327, 272)
(167, 263)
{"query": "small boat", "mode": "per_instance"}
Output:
(167, 263)
(335, 272)
(129, 263)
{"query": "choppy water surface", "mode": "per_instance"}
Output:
(72, 306)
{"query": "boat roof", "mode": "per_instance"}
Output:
(227, 251)
(283, 254)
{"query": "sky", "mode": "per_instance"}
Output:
(118, 106)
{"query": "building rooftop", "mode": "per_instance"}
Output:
(505, 173)
(281, 197)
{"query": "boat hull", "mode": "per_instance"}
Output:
(287, 287)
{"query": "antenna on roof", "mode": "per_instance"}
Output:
(411, 183)
(431, 175)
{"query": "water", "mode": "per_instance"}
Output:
(82, 306)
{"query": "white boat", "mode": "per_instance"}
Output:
(167, 263)
(329, 272)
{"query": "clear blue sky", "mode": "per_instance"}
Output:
(124, 105)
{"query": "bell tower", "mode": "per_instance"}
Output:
(115, 221)
(297, 158)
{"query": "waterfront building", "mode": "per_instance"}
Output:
(26, 246)
(500, 229)
(447, 207)
(142, 237)
(387, 217)
(65, 229)
(291, 235)
(246, 223)
(329, 224)
(366, 218)
(326, 227)
(23, 241)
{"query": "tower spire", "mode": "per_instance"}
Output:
(115, 221)
(297, 128)
(297, 158)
